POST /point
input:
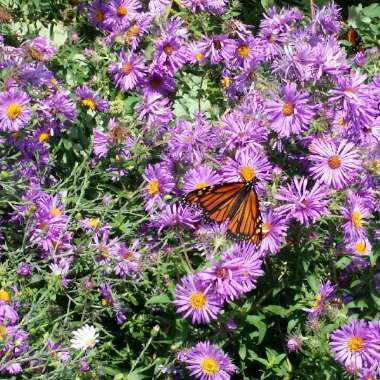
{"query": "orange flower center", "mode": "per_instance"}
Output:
(99, 15)
(360, 247)
(55, 212)
(43, 137)
(126, 68)
(247, 173)
(121, 11)
(334, 162)
(288, 109)
(4, 296)
(266, 228)
(168, 49)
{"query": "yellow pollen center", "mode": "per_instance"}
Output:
(4, 296)
(153, 187)
(3, 332)
(317, 298)
(199, 56)
(247, 173)
(89, 103)
(341, 121)
(121, 11)
(93, 222)
(90, 342)
(334, 162)
(209, 366)
(266, 228)
(200, 185)
(226, 81)
(243, 51)
(360, 247)
(43, 137)
(134, 30)
(99, 15)
(356, 219)
(355, 344)
(55, 212)
(197, 300)
(13, 111)
(288, 109)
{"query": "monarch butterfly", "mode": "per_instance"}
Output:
(235, 201)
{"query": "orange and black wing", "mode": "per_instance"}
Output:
(246, 222)
(218, 201)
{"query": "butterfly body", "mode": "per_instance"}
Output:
(236, 202)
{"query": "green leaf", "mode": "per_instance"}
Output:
(158, 299)
(372, 11)
(261, 326)
(242, 351)
(276, 310)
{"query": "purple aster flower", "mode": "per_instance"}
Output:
(369, 373)
(157, 82)
(354, 346)
(302, 204)
(105, 293)
(359, 59)
(176, 216)
(248, 165)
(91, 100)
(217, 48)
(196, 301)
(104, 247)
(327, 19)
(170, 53)
(119, 13)
(244, 51)
(159, 182)
(12, 368)
(8, 315)
(96, 14)
(58, 106)
(355, 98)
(334, 163)
(189, 141)
(291, 113)
(360, 247)
(200, 177)
(274, 231)
(41, 49)
(196, 53)
(158, 7)
(155, 109)
(208, 362)
(24, 269)
(239, 129)
(354, 214)
(83, 365)
(326, 291)
(128, 71)
(230, 325)
(14, 110)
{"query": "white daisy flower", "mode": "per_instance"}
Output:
(84, 338)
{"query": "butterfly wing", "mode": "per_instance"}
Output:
(246, 222)
(218, 201)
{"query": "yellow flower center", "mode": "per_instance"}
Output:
(199, 56)
(360, 247)
(121, 11)
(197, 300)
(99, 15)
(126, 68)
(90, 342)
(356, 218)
(341, 121)
(134, 30)
(43, 137)
(266, 228)
(104, 302)
(317, 298)
(55, 212)
(93, 222)
(13, 111)
(16, 135)
(226, 81)
(153, 187)
(243, 51)
(247, 173)
(4, 296)
(3, 332)
(103, 250)
(89, 103)
(200, 185)
(288, 109)
(209, 366)
(355, 344)
(334, 162)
